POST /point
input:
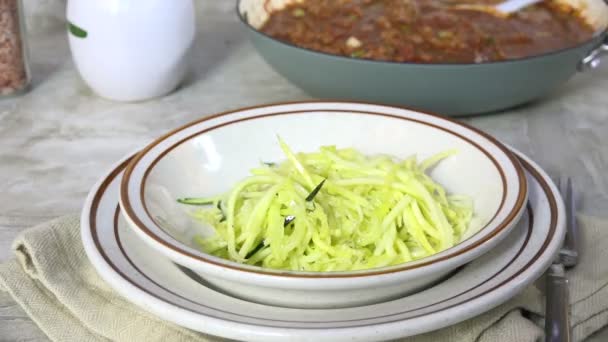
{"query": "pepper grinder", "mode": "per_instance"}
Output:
(14, 68)
(131, 50)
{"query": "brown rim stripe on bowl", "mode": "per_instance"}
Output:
(274, 273)
(233, 265)
(535, 174)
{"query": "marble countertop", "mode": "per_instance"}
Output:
(56, 140)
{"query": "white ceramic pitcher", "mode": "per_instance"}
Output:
(131, 50)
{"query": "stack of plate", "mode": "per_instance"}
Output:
(139, 239)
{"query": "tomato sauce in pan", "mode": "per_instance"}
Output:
(426, 31)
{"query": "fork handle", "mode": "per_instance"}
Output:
(557, 320)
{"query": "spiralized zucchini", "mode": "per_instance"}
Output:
(333, 210)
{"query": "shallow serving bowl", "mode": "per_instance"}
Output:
(207, 156)
(447, 89)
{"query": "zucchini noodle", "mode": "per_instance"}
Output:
(333, 210)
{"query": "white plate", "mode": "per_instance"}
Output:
(154, 283)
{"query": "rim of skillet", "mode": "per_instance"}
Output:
(597, 34)
(444, 259)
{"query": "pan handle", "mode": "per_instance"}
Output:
(594, 58)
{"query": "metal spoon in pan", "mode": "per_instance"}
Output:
(503, 9)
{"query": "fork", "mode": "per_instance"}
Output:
(557, 318)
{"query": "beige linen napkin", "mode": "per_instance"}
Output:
(56, 285)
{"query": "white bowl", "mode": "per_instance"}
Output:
(208, 156)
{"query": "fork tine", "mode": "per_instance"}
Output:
(570, 247)
(572, 213)
(569, 191)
